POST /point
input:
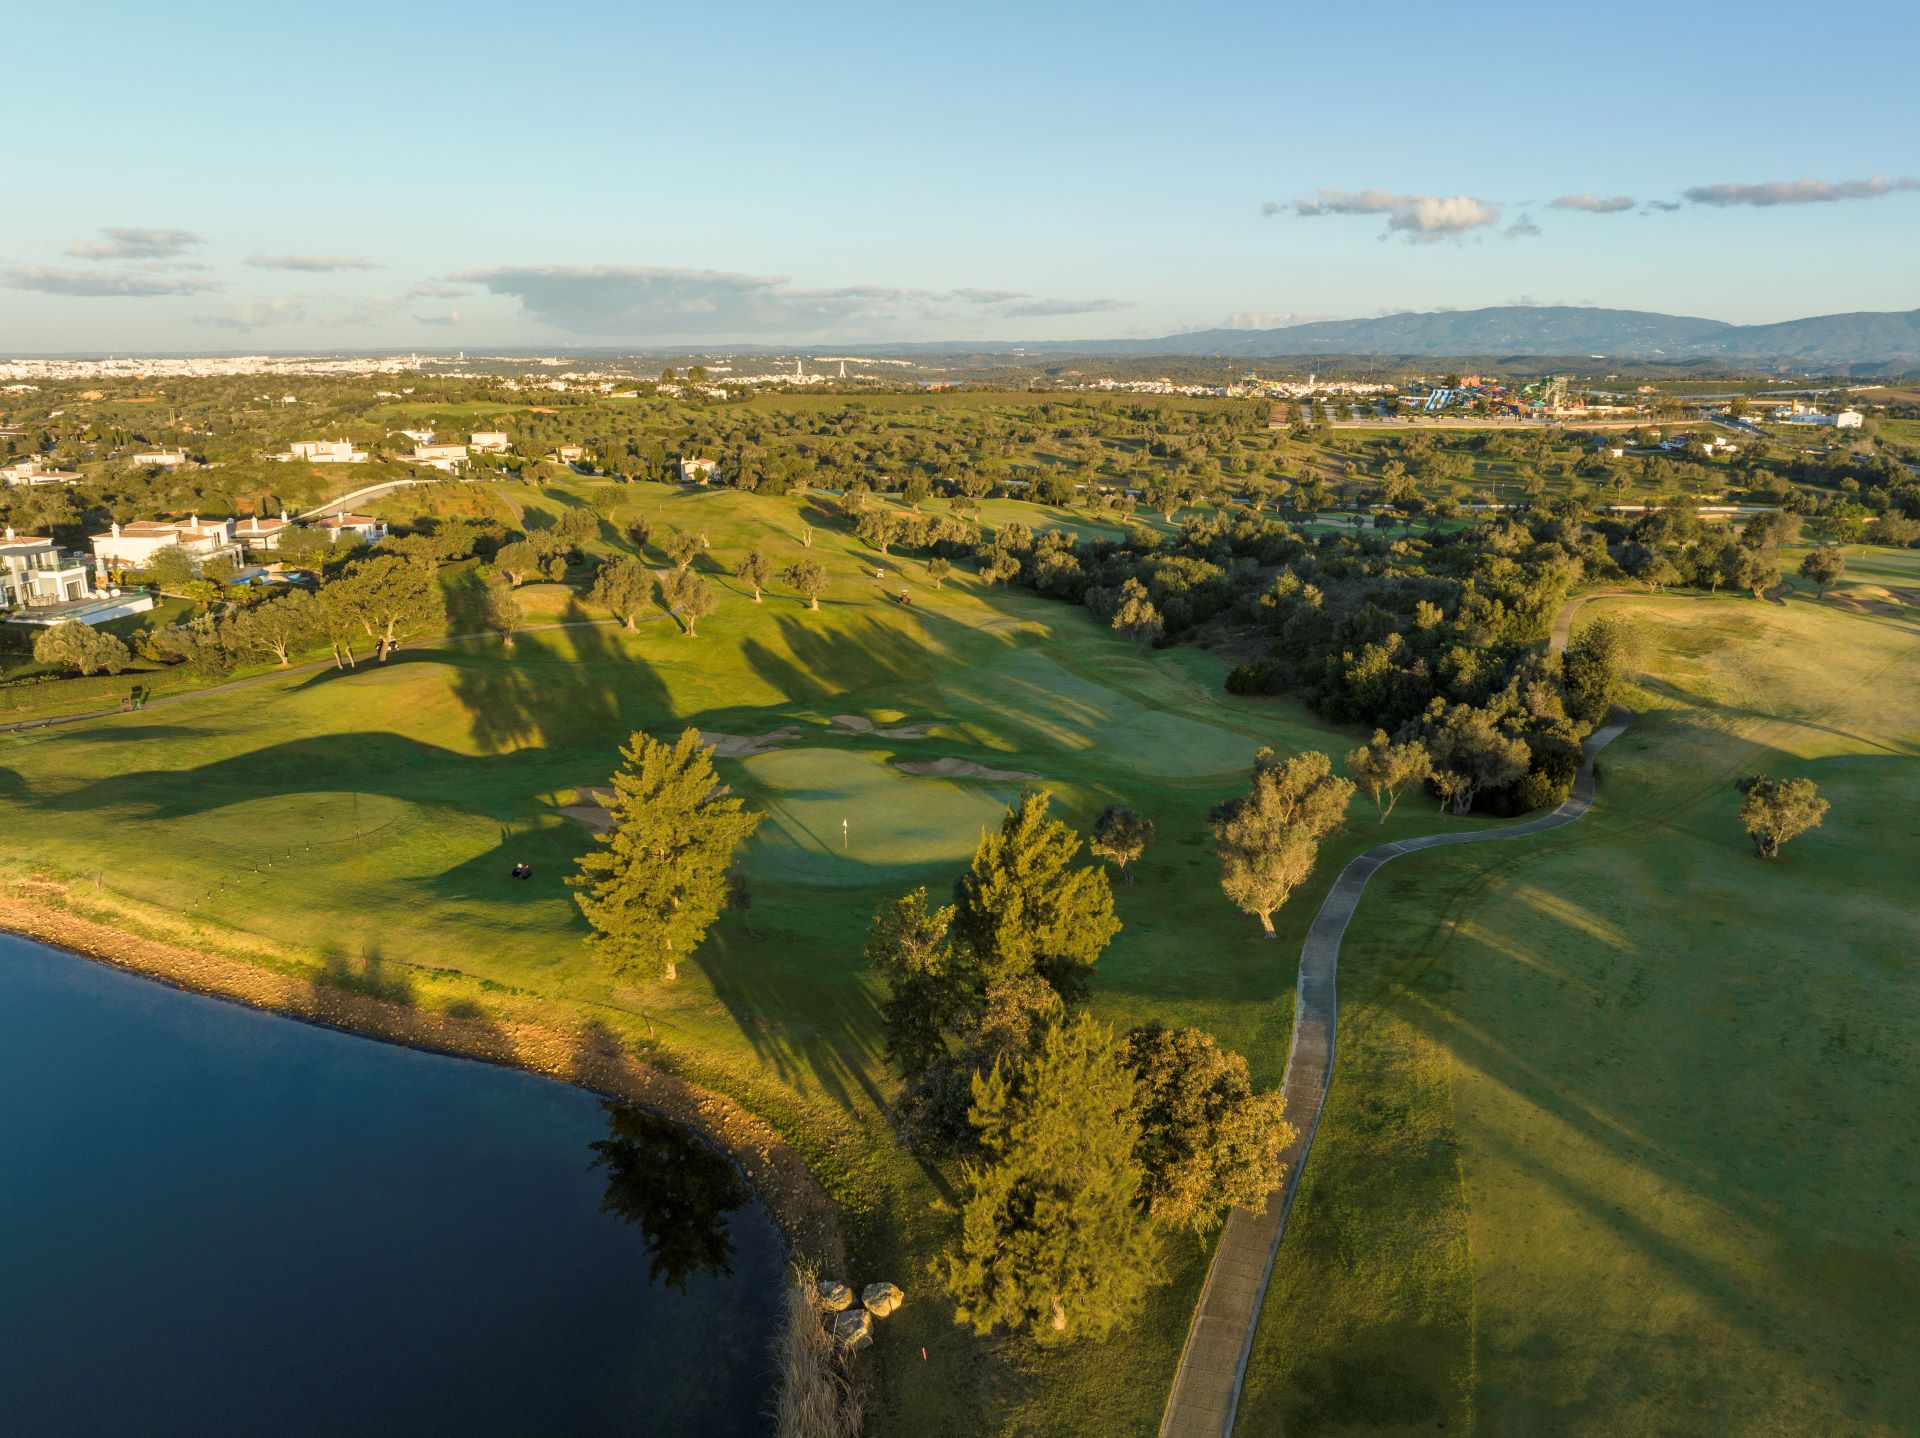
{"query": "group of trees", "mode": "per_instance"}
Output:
(1077, 1146)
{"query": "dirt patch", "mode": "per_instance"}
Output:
(745, 746)
(960, 769)
(587, 1056)
(860, 724)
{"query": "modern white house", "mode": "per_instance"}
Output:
(445, 457)
(365, 526)
(569, 453)
(133, 545)
(165, 458)
(33, 571)
(325, 451)
(490, 441)
(697, 471)
(256, 534)
(32, 471)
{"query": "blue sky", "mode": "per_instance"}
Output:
(221, 177)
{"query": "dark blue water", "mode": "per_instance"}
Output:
(218, 1222)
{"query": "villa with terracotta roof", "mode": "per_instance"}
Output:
(134, 544)
(364, 526)
(255, 534)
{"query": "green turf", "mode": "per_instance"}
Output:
(366, 821)
(1622, 1136)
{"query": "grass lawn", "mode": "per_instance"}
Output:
(1622, 1134)
(360, 826)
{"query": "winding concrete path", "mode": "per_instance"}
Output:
(1213, 1366)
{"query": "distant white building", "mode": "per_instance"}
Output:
(325, 451)
(418, 436)
(33, 571)
(445, 457)
(134, 544)
(1845, 419)
(32, 471)
(165, 458)
(490, 441)
(697, 471)
(569, 453)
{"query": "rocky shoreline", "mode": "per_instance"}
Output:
(586, 1057)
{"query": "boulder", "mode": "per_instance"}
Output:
(880, 1299)
(853, 1329)
(833, 1297)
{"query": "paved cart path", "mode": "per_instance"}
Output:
(1206, 1387)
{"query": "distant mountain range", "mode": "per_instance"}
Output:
(1512, 331)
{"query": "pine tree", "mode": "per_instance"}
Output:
(1053, 1242)
(1022, 908)
(660, 877)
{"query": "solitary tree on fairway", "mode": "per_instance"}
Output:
(808, 578)
(1824, 566)
(1268, 841)
(1023, 909)
(680, 547)
(1384, 768)
(392, 598)
(937, 570)
(622, 588)
(658, 879)
(1776, 810)
(81, 648)
(1208, 1142)
(501, 611)
(755, 570)
(1120, 836)
(1136, 617)
(687, 595)
(1053, 1242)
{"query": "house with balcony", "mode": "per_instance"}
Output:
(445, 457)
(34, 572)
(134, 544)
(490, 441)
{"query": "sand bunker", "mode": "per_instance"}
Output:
(860, 724)
(960, 769)
(745, 746)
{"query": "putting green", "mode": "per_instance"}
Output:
(897, 825)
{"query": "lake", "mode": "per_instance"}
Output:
(218, 1221)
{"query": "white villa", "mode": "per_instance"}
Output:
(256, 534)
(33, 571)
(166, 458)
(697, 471)
(325, 451)
(446, 457)
(1845, 419)
(569, 453)
(490, 441)
(31, 471)
(133, 545)
(363, 525)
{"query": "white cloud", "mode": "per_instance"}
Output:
(1522, 229)
(133, 242)
(643, 301)
(1418, 217)
(438, 290)
(1593, 204)
(313, 264)
(1799, 192)
(101, 283)
(261, 314)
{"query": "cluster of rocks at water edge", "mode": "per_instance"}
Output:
(852, 1323)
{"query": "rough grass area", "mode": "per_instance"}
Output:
(1621, 1137)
